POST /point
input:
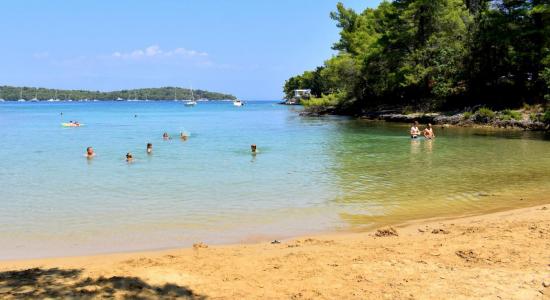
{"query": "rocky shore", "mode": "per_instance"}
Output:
(458, 120)
(523, 121)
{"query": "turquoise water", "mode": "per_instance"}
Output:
(310, 175)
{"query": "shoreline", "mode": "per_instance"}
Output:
(440, 119)
(434, 257)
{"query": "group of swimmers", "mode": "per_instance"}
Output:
(428, 132)
(74, 123)
(90, 153)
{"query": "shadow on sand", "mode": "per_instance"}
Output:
(57, 283)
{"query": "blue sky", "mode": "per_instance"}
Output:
(244, 47)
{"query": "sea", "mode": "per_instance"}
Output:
(310, 175)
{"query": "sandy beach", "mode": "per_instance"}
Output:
(503, 255)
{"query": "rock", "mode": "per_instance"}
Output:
(200, 245)
(275, 242)
(386, 232)
(439, 230)
(546, 283)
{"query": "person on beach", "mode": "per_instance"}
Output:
(129, 157)
(183, 136)
(429, 132)
(253, 148)
(90, 152)
(149, 148)
(415, 132)
(166, 136)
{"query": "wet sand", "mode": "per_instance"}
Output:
(504, 255)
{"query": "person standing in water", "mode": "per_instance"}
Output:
(253, 148)
(90, 152)
(149, 148)
(415, 132)
(429, 132)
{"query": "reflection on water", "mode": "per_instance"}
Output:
(461, 171)
(310, 175)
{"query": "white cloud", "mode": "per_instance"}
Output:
(41, 55)
(156, 51)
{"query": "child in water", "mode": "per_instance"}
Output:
(149, 148)
(129, 157)
(183, 136)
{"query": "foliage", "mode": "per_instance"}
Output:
(509, 114)
(437, 54)
(467, 115)
(546, 117)
(165, 93)
(323, 101)
(484, 115)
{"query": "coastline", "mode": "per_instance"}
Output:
(494, 254)
(439, 119)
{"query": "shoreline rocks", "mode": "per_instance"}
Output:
(456, 119)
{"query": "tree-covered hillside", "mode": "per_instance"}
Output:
(436, 54)
(164, 93)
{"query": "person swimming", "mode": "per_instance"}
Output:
(429, 132)
(90, 152)
(165, 136)
(253, 148)
(149, 148)
(184, 136)
(415, 132)
(129, 157)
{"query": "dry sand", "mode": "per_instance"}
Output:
(503, 255)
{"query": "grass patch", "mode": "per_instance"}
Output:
(509, 114)
(323, 101)
(484, 115)
(467, 115)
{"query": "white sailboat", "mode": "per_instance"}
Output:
(54, 98)
(35, 99)
(21, 96)
(191, 102)
(238, 102)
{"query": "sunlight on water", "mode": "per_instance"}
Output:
(310, 175)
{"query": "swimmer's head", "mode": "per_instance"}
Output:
(253, 147)
(90, 151)
(129, 156)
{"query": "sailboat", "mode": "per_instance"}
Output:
(54, 98)
(21, 96)
(191, 102)
(35, 99)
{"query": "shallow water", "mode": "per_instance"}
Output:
(310, 175)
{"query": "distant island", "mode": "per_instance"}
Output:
(14, 93)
